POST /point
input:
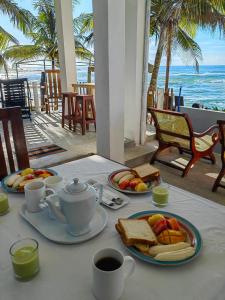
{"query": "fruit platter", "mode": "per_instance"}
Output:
(15, 182)
(128, 181)
(160, 238)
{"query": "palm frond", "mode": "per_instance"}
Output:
(6, 38)
(18, 16)
(189, 46)
(23, 52)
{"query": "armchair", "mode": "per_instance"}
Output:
(175, 129)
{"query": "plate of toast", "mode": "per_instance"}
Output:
(15, 182)
(160, 238)
(138, 180)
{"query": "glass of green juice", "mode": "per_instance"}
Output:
(160, 195)
(25, 258)
(4, 204)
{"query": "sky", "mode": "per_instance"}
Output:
(213, 47)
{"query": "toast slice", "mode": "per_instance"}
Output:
(134, 231)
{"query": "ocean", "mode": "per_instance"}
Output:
(206, 87)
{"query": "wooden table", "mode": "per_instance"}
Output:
(66, 269)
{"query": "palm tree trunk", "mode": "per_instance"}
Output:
(158, 57)
(168, 54)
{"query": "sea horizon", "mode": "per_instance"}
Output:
(207, 87)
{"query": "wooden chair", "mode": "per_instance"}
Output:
(87, 88)
(53, 90)
(16, 92)
(222, 172)
(175, 129)
(12, 115)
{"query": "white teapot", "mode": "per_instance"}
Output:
(78, 202)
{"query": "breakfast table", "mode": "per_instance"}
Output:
(65, 270)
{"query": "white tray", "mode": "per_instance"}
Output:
(56, 231)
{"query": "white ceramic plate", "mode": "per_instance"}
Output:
(56, 231)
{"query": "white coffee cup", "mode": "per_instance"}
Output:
(110, 269)
(54, 182)
(35, 192)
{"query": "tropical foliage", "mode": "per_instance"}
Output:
(20, 18)
(174, 24)
(44, 37)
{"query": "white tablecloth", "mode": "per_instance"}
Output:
(66, 269)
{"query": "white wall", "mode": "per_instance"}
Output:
(202, 119)
(135, 25)
(109, 40)
(64, 27)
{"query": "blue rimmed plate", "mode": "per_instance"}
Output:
(193, 236)
(11, 190)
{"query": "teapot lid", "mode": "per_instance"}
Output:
(75, 187)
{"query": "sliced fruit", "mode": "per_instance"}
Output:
(171, 237)
(17, 182)
(126, 177)
(44, 175)
(29, 177)
(10, 181)
(173, 224)
(159, 226)
(119, 175)
(39, 172)
(135, 182)
(124, 184)
(27, 171)
(141, 187)
(154, 218)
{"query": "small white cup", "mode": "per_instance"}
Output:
(110, 269)
(35, 192)
(54, 182)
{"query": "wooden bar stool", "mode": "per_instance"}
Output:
(68, 108)
(84, 112)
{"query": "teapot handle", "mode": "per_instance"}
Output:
(99, 186)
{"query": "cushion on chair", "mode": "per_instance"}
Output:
(203, 143)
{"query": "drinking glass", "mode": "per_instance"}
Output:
(160, 195)
(25, 258)
(4, 204)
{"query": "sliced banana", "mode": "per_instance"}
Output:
(126, 177)
(118, 176)
(17, 182)
(167, 248)
(10, 181)
(176, 255)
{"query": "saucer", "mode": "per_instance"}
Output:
(57, 232)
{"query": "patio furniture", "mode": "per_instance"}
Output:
(84, 112)
(65, 270)
(86, 88)
(68, 108)
(174, 129)
(53, 91)
(16, 92)
(12, 115)
(218, 183)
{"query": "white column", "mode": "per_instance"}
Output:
(109, 33)
(66, 45)
(135, 27)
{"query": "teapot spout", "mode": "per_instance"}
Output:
(51, 200)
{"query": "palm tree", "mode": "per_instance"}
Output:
(44, 37)
(173, 20)
(18, 16)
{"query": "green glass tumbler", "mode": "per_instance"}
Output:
(25, 258)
